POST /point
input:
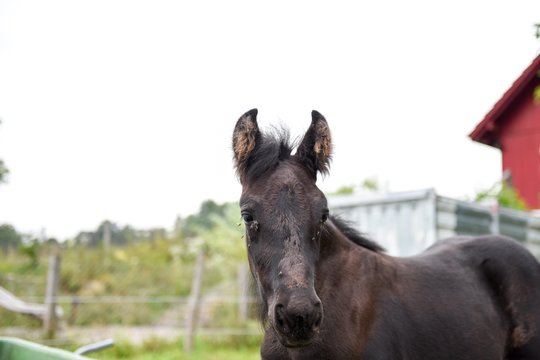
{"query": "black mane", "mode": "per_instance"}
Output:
(273, 148)
(355, 236)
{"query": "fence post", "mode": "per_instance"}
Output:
(50, 321)
(194, 301)
(243, 292)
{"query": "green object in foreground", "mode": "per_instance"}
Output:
(17, 349)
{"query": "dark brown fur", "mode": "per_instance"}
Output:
(329, 293)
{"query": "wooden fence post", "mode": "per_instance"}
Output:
(194, 301)
(50, 321)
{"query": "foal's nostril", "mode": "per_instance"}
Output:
(280, 316)
(318, 320)
(299, 321)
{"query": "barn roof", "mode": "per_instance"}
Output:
(486, 131)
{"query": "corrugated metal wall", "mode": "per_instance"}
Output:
(407, 223)
(533, 235)
(404, 223)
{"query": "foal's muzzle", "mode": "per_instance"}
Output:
(298, 319)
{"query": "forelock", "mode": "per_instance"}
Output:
(275, 146)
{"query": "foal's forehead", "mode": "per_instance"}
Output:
(288, 174)
(288, 186)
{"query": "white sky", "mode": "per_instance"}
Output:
(124, 110)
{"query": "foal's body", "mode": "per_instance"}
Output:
(453, 296)
(328, 293)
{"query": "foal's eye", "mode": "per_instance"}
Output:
(247, 217)
(324, 216)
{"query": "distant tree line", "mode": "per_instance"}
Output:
(192, 226)
(118, 236)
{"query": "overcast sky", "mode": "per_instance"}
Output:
(124, 110)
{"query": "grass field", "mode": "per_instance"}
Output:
(160, 350)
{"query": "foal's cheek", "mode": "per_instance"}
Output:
(251, 240)
(252, 232)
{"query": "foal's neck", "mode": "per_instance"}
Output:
(336, 243)
(345, 262)
(354, 272)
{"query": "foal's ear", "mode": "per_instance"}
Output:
(245, 136)
(315, 150)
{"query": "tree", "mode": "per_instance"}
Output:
(344, 190)
(32, 250)
(204, 219)
(505, 195)
(112, 230)
(221, 237)
(367, 185)
(371, 184)
(9, 237)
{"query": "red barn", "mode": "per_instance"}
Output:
(513, 125)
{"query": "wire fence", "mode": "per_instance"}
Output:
(128, 299)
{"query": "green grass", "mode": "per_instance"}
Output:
(157, 349)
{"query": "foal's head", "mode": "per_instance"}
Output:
(284, 213)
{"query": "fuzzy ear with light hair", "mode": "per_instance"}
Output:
(315, 150)
(246, 136)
